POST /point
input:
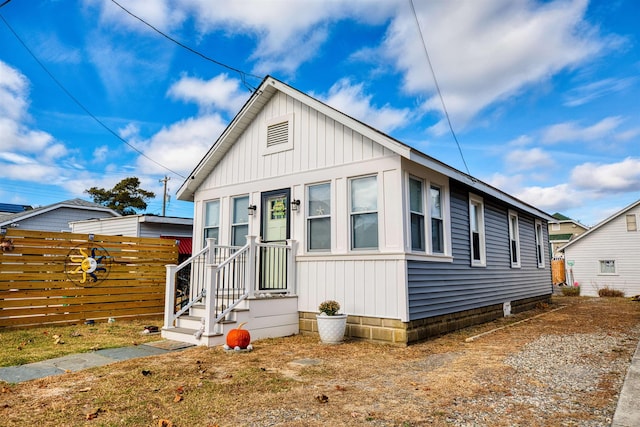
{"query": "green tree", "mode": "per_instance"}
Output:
(126, 197)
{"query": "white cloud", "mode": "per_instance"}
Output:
(181, 146)
(487, 51)
(552, 199)
(350, 98)
(534, 158)
(620, 177)
(594, 90)
(220, 92)
(572, 132)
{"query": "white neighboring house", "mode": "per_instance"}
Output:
(142, 225)
(608, 255)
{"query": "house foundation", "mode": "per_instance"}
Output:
(395, 332)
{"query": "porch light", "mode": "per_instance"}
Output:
(295, 204)
(251, 209)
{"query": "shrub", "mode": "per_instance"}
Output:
(571, 291)
(608, 292)
(329, 307)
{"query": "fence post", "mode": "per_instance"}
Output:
(251, 265)
(291, 266)
(170, 296)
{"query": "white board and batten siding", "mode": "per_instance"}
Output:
(610, 242)
(366, 283)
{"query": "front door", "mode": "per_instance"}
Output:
(275, 232)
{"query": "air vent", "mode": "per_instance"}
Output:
(278, 134)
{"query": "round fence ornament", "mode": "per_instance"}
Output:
(88, 265)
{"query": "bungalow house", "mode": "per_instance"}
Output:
(608, 255)
(562, 230)
(56, 217)
(297, 203)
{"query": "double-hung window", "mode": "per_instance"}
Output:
(319, 217)
(631, 223)
(514, 239)
(212, 220)
(539, 241)
(476, 225)
(239, 221)
(364, 213)
(417, 215)
(437, 220)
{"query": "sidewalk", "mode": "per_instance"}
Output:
(628, 410)
(80, 361)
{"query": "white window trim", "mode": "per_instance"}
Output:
(312, 217)
(236, 224)
(627, 223)
(426, 233)
(446, 230)
(514, 235)
(288, 118)
(555, 226)
(539, 242)
(482, 262)
(351, 213)
(205, 227)
(615, 267)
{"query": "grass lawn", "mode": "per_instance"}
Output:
(27, 345)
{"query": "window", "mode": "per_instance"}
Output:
(319, 217)
(364, 213)
(539, 246)
(631, 223)
(239, 221)
(555, 226)
(437, 220)
(514, 239)
(476, 223)
(417, 214)
(212, 221)
(608, 266)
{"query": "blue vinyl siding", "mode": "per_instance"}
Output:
(441, 288)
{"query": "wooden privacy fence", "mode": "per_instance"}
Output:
(48, 277)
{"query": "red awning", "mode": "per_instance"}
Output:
(184, 244)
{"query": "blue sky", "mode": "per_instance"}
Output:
(543, 96)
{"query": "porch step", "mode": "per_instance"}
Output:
(188, 335)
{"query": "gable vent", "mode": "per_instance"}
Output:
(277, 134)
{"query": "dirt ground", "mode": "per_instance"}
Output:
(296, 381)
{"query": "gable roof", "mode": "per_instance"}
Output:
(73, 204)
(601, 224)
(271, 86)
(561, 219)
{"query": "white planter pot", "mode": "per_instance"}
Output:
(331, 328)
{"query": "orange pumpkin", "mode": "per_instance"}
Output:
(238, 337)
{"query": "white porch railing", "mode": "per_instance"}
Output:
(224, 276)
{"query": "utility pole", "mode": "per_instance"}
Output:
(164, 194)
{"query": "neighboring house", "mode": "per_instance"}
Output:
(9, 208)
(142, 225)
(409, 246)
(56, 217)
(608, 255)
(562, 230)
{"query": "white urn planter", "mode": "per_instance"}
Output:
(331, 328)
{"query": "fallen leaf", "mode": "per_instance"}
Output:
(180, 389)
(93, 414)
(6, 390)
(178, 398)
(165, 423)
(322, 398)
(341, 388)
(58, 341)
(84, 390)
(146, 373)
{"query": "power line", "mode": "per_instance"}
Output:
(79, 104)
(243, 75)
(4, 3)
(435, 80)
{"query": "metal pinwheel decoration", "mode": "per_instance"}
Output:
(88, 265)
